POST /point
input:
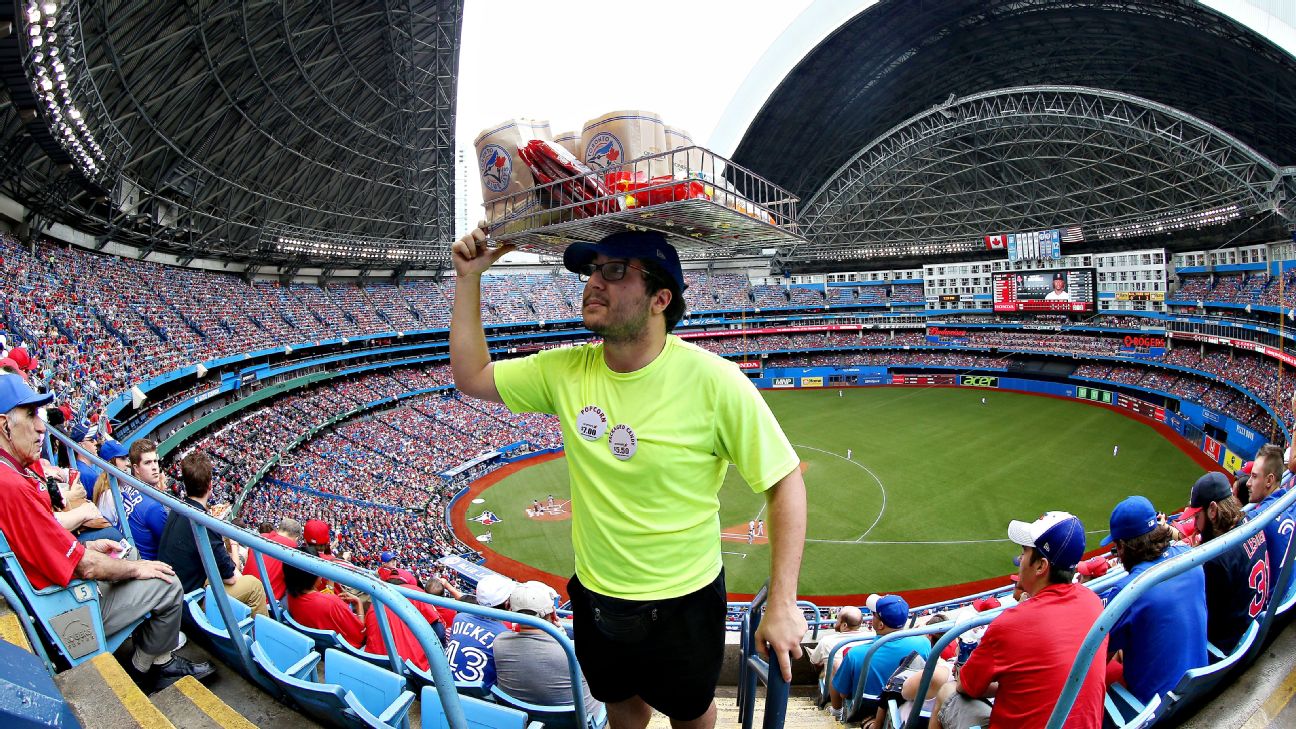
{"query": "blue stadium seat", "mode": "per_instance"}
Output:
(558, 716)
(68, 618)
(353, 692)
(1120, 703)
(1201, 681)
(325, 639)
(479, 714)
(203, 613)
(466, 688)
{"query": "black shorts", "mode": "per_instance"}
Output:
(666, 652)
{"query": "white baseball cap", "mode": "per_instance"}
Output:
(493, 590)
(533, 596)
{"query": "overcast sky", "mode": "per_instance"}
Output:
(568, 61)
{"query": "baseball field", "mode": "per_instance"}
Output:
(922, 504)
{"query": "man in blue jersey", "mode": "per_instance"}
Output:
(1237, 581)
(471, 640)
(890, 614)
(1162, 634)
(147, 517)
(1265, 488)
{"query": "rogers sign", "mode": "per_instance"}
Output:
(1132, 340)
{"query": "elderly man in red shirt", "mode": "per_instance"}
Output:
(50, 555)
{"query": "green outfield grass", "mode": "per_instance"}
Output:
(951, 472)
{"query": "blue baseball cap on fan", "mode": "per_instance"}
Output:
(643, 245)
(1133, 517)
(386, 557)
(113, 449)
(15, 393)
(1057, 536)
(892, 610)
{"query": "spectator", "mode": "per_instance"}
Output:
(1264, 491)
(119, 456)
(849, 621)
(287, 534)
(890, 614)
(314, 608)
(407, 646)
(84, 435)
(1162, 635)
(389, 569)
(472, 637)
(129, 589)
(178, 548)
(442, 588)
(147, 517)
(530, 664)
(1026, 653)
(1237, 581)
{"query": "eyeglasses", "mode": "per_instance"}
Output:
(609, 270)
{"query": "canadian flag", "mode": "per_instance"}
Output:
(996, 242)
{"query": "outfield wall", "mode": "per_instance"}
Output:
(1192, 421)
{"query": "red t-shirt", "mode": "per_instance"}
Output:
(273, 566)
(407, 646)
(1029, 650)
(326, 611)
(47, 552)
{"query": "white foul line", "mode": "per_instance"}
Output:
(866, 470)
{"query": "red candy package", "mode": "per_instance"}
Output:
(576, 184)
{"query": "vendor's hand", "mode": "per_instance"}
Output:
(470, 254)
(146, 569)
(782, 628)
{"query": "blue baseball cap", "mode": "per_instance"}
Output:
(14, 393)
(1058, 536)
(892, 610)
(81, 430)
(386, 557)
(1133, 517)
(644, 245)
(113, 449)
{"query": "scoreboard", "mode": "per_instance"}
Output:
(1060, 290)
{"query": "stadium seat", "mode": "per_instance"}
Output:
(465, 688)
(1120, 703)
(353, 693)
(558, 716)
(479, 714)
(1201, 681)
(325, 639)
(68, 618)
(204, 614)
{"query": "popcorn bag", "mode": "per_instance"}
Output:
(570, 141)
(689, 163)
(621, 136)
(502, 171)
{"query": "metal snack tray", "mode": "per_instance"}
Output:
(707, 206)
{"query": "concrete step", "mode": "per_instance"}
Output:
(11, 629)
(191, 705)
(801, 710)
(103, 696)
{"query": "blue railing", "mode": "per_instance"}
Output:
(1162, 572)
(393, 598)
(753, 669)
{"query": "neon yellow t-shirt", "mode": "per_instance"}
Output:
(646, 519)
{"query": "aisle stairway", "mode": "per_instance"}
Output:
(100, 694)
(801, 710)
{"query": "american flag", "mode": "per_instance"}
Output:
(1072, 235)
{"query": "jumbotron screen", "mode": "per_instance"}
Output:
(1063, 290)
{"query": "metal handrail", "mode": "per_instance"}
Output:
(395, 599)
(752, 668)
(1158, 574)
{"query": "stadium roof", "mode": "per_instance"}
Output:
(932, 73)
(288, 133)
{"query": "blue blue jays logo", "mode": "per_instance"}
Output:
(496, 166)
(604, 150)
